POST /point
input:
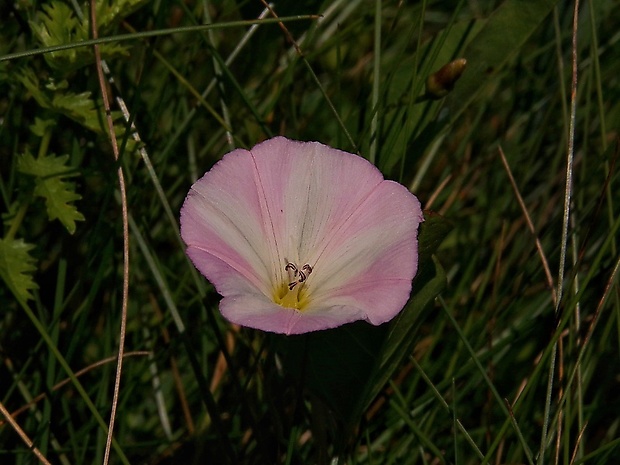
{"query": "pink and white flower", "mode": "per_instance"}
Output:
(299, 237)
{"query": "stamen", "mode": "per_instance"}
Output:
(291, 267)
(303, 274)
(293, 292)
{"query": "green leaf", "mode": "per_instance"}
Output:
(79, 107)
(503, 34)
(403, 113)
(58, 25)
(40, 126)
(17, 266)
(49, 172)
(30, 81)
(53, 96)
(487, 45)
(111, 12)
(347, 367)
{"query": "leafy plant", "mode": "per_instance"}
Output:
(17, 266)
(58, 24)
(49, 173)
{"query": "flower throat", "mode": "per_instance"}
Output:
(293, 294)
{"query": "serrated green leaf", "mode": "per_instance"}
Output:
(30, 81)
(49, 184)
(40, 126)
(56, 26)
(17, 267)
(79, 107)
(59, 25)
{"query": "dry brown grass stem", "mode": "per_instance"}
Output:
(22, 434)
(530, 224)
(125, 216)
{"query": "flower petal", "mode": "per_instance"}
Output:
(221, 221)
(309, 188)
(259, 312)
(371, 258)
(256, 311)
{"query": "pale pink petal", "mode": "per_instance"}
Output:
(371, 258)
(256, 311)
(309, 188)
(222, 220)
(326, 318)
(259, 312)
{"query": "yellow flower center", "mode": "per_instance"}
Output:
(294, 294)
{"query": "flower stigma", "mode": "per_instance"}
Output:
(294, 293)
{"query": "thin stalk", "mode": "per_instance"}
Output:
(218, 76)
(374, 125)
(125, 220)
(565, 227)
(155, 33)
(315, 78)
(22, 434)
